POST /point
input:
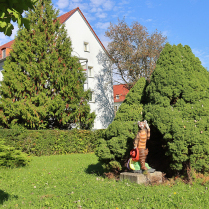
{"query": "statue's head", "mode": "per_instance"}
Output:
(142, 124)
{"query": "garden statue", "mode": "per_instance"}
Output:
(140, 152)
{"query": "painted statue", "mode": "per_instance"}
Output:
(140, 152)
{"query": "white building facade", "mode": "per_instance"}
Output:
(96, 63)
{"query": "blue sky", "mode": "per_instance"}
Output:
(182, 21)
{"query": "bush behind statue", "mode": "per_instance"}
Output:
(179, 109)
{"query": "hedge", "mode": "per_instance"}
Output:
(51, 142)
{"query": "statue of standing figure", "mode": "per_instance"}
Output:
(140, 152)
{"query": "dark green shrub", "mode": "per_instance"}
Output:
(52, 142)
(113, 149)
(178, 109)
(9, 157)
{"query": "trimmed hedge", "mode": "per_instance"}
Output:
(51, 142)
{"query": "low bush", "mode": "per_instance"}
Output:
(9, 157)
(51, 142)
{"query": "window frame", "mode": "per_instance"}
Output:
(86, 46)
(91, 70)
(4, 53)
(92, 97)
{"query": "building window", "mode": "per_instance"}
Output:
(86, 46)
(117, 96)
(3, 53)
(91, 96)
(90, 71)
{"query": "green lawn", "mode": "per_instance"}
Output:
(73, 181)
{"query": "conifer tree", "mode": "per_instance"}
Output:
(179, 109)
(114, 149)
(43, 83)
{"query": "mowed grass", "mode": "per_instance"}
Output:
(74, 181)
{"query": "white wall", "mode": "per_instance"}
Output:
(101, 84)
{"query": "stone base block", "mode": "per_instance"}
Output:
(150, 178)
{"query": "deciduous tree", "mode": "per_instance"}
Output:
(134, 50)
(12, 10)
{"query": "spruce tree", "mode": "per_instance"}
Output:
(178, 110)
(43, 83)
(114, 149)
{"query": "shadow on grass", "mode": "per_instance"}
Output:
(95, 169)
(3, 197)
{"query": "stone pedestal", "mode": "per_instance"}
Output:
(150, 178)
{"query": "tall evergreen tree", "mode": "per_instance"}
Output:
(43, 83)
(179, 109)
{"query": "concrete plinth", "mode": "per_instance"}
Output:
(150, 178)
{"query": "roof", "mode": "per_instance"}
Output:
(120, 90)
(7, 45)
(62, 19)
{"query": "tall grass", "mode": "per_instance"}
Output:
(75, 181)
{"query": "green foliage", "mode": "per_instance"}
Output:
(52, 142)
(178, 108)
(12, 11)
(113, 149)
(43, 83)
(9, 157)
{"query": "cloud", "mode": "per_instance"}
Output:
(124, 2)
(149, 20)
(61, 12)
(97, 3)
(101, 15)
(149, 4)
(82, 6)
(108, 5)
(165, 33)
(146, 20)
(102, 25)
(62, 4)
(105, 40)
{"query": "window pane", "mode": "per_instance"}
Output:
(4, 53)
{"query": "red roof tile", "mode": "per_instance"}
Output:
(120, 90)
(62, 19)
